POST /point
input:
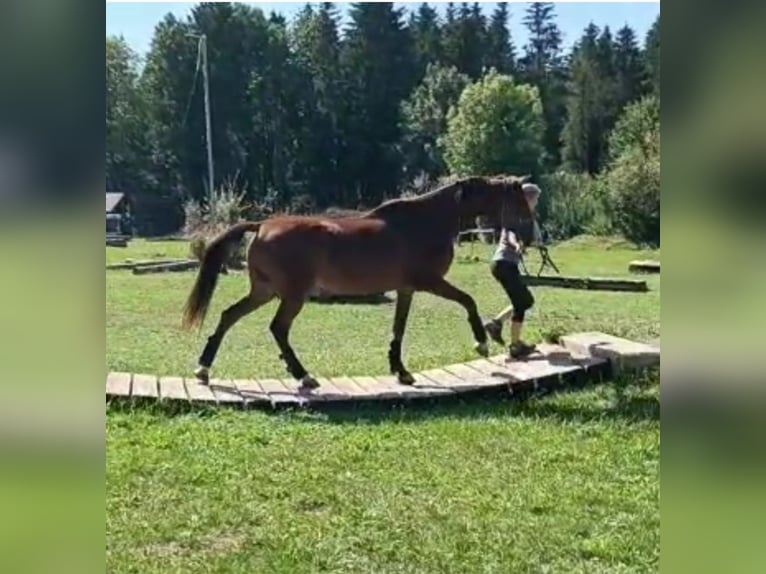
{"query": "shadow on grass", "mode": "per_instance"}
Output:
(617, 401)
(374, 299)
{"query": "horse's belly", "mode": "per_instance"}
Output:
(360, 278)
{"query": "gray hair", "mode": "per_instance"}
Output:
(531, 190)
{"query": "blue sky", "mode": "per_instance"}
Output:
(135, 21)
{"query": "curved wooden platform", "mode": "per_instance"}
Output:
(581, 358)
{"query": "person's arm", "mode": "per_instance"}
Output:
(513, 241)
(538, 235)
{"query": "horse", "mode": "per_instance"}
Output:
(403, 245)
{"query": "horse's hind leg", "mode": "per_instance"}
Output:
(442, 288)
(403, 304)
(258, 296)
(288, 309)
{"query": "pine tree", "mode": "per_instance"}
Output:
(426, 35)
(378, 66)
(629, 67)
(464, 39)
(317, 48)
(543, 66)
(591, 105)
(500, 50)
(652, 56)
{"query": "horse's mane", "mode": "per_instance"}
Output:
(441, 186)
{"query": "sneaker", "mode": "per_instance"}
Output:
(520, 350)
(494, 329)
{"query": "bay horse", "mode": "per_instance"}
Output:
(403, 245)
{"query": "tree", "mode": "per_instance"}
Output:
(636, 120)
(378, 67)
(496, 127)
(316, 45)
(464, 39)
(542, 66)
(426, 34)
(633, 179)
(126, 121)
(592, 103)
(424, 119)
(629, 67)
(500, 53)
(652, 56)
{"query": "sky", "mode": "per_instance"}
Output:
(135, 21)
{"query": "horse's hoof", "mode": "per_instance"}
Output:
(406, 378)
(202, 374)
(482, 349)
(308, 383)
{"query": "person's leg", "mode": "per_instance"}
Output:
(494, 327)
(522, 301)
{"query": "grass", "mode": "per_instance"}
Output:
(144, 334)
(564, 483)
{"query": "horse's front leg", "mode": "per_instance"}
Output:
(403, 304)
(442, 288)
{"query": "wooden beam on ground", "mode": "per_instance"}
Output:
(184, 265)
(586, 283)
(644, 266)
(143, 263)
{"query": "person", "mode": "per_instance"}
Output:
(505, 269)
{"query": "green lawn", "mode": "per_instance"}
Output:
(568, 483)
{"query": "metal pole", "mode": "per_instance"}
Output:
(208, 129)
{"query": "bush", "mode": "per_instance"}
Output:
(633, 177)
(206, 220)
(572, 204)
(633, 182)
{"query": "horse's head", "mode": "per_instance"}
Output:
(501, 198)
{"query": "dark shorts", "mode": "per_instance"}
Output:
(507, 274)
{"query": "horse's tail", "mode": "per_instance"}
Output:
(213, 259)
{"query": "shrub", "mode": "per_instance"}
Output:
(572, 204)
(633, 182)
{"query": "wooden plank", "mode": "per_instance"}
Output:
(128, 264)
(118, 385)
(393, 386)
(587, 283)
(350, 388)
(380, 389)
(164, 267)
(429, 387)
(226, 392)
(448, 380)
(251, 391)
(621, 353)
(328, 392)
(644, 266)
(199, 393)
(279, 394)
(172, 388)
(474, 377)
(489, 369)
(144, 386)
(383, 388)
